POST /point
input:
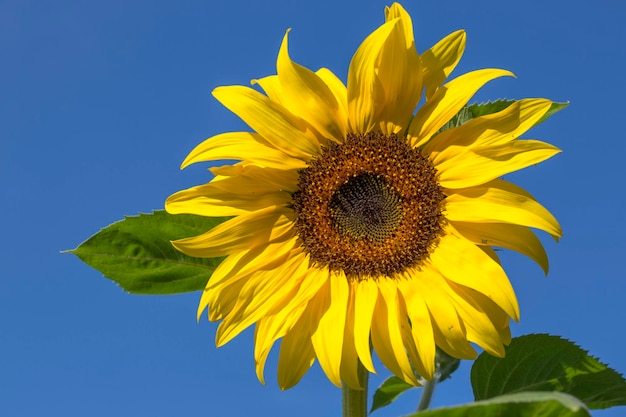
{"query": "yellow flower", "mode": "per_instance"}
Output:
(356, 222)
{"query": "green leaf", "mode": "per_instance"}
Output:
(524, 404)
(388, 391)
(542, 362)
(482, 109)
(137, 254)
(458, 119)
(446, 365)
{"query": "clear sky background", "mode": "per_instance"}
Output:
(101, 101)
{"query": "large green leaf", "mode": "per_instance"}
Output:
(542, 362)
(524, 404)
(137, 254)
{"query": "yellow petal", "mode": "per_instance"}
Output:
(311, 284)
(221, 274)
(509, 236)
(268, 330)
(272, 121)
(421, 326)
(505, 335)
(447, 101)
(252, 189)
(340, 92)
(499, 201)
(327, 339)
(482, 318)
(366, 294)
(462, 262)
(282, 321)
(248, 147)
(408, 342)
(264, 257)
(386, 332)
(349, 356)
(220, 307)
(265, 292)
(440, 60)
(489, 252)
(365, 96)
(479, 165)
(448, 329)
(306, 95)
(491, 129)
(238, 179)
(242, 232)
(396, 11)
(222, 291)
(271, 86)
(296, 352)
(399, 74)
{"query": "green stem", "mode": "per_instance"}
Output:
(427, 393)
(354, 401)
(444, 366)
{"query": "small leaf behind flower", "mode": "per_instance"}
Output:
(490, 107)
(446, 365)
(523, 404)
(542, 362)
(481, 109)
(388, 391)
(137, 254)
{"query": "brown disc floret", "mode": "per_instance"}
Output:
(370, 206)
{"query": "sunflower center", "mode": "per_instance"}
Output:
(369, 206)
(366, 207)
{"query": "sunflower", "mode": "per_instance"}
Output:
(358, 225)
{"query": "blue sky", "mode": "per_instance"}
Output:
(101, 101)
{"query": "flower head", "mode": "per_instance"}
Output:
(357, 221)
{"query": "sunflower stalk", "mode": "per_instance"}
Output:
(445, 366)
(427, 393)
(354, 401)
